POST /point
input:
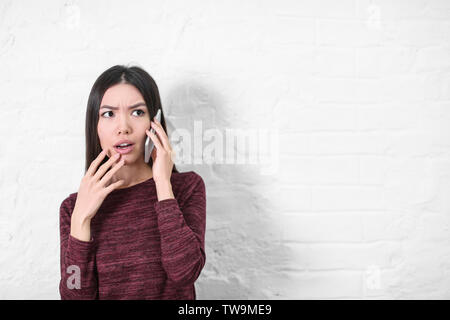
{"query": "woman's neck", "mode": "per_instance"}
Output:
(132, 176)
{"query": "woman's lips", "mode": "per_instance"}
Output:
(124, 150)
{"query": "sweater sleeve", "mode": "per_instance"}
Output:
(182, 232)
(77, 260)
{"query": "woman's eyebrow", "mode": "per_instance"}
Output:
(130, 107)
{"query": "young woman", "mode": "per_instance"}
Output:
(134, 230)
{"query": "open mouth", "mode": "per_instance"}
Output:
(123, 146)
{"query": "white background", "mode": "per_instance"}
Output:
(357, 91)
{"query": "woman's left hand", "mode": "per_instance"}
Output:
(162, 154)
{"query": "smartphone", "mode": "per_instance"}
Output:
(149, 145)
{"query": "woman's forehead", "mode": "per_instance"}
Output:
(122, 95)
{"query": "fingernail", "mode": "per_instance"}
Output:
(116, 155)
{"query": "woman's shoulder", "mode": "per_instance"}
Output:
(187, 181)
(187, 177)
(68, 203)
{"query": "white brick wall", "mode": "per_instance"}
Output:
(359, 91)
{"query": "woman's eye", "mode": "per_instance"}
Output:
(106, 113)
(111, 111)
(140, 111)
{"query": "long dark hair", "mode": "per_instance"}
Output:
(135, 76)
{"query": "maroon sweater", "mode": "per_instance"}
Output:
(140, 248)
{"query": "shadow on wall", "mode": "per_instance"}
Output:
(244, 251)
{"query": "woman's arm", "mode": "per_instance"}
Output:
(77, 258)
(183, 235)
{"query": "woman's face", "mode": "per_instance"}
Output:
(118, 122)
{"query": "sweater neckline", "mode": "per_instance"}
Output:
(148, 181)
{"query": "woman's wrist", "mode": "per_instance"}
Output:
(80, 228)
(164, 190)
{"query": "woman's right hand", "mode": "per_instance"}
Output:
(94, 187)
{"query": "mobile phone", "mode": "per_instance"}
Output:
(149, 145)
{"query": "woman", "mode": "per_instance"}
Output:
(133, 230)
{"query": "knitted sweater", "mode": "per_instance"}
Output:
(140, 248)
